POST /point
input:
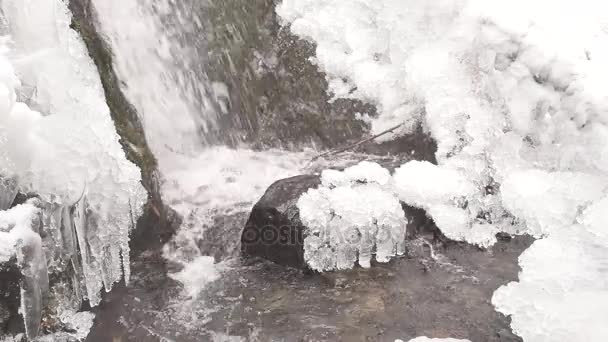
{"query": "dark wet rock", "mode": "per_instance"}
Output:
(11, 321)
(21, 198)
(277, 97)
(274, 230)
(8, 191)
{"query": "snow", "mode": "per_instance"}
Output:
(15, 225)
(562, 293)
(351, 217)
(514, 94)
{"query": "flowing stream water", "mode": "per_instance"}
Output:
(230, 103)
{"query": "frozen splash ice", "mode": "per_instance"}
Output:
(351, 217)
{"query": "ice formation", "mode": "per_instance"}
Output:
(514, 95)
(351, 217)
(57, 140)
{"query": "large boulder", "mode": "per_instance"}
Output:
(274, 230)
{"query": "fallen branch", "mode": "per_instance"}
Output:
(342, 149)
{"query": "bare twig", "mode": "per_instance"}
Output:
(342, 149)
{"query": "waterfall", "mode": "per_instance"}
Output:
(159, 50)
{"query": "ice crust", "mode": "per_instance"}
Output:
(350, 218)
(57, 140)
(514, 94)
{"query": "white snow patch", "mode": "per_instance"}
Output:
(15, 225)
(562, 292)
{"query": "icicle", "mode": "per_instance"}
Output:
(35, 283)
(68, 235)
(90, 268)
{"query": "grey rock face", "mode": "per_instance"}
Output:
(11, 321)
(8, 191)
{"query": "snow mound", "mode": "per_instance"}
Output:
(562, 293)
(350, 217)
